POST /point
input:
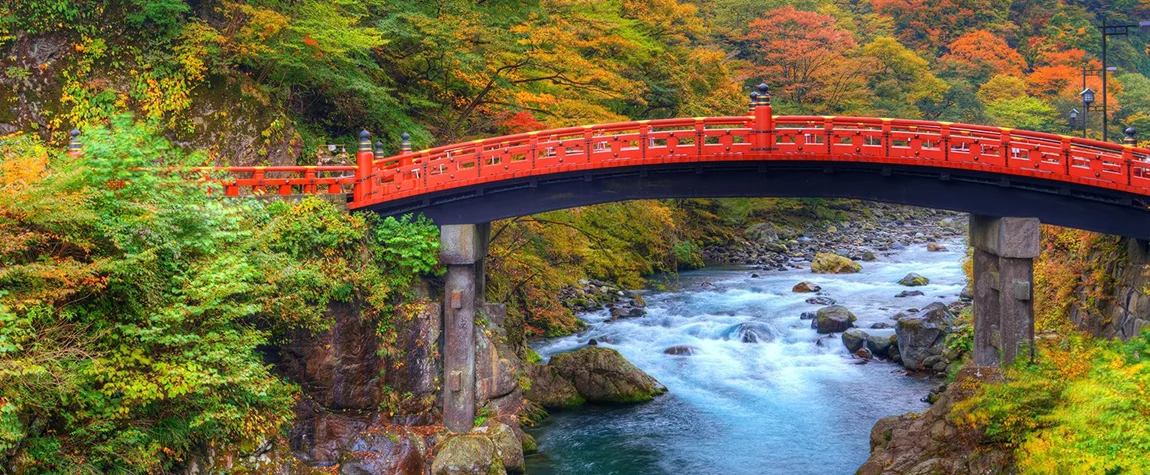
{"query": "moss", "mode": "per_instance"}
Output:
(7, 104)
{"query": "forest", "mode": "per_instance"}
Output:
(135, 309)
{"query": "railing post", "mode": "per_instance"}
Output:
(1007, 154)
(363, 160)
(644, 130)
(1129, 141)
(75, 147)
(763, 129)
(944, 135)
(1066, 146)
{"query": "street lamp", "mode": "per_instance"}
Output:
(1073, 119)
(1108, 31)
(1087, 99)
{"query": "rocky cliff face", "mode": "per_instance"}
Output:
(1124, 309)
(229, 125)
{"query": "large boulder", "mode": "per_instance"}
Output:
(806, 286)
(386, 450)
(854, 339)
(922, 336)
(833, 319)
(466, 455)
(602, 375)
(827, 263)
(549, 389)
(508, 447)
(913, 280)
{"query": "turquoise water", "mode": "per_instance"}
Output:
(787, 406)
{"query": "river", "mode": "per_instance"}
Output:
(787, 406)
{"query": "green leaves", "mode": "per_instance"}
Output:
(134, 302)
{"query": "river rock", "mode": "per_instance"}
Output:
(466, 454)
(681, 350)
(807, 316)
(549, 389)
(854, 339)
(626, 311)
(750, 332)
(833, 319)
(913, 280)
(868, 256)
(880, 325)
(602, 375)
(827, 263)
(935, 247)
(909, 293)
(806, 286)
(922, 337)
(864, 354)
(821, 301)
(967, 293)
(880, 345)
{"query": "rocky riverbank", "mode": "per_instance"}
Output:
(878, 228)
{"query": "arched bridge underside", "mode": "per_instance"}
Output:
(990, 171)
(978, 192)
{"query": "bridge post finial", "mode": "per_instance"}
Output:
(74, 144)
(363, 160)
(1130, 139)
(377, 150)
(754, 103)
(405, 142)
(764, 94)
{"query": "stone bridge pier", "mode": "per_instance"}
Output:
(1004, 252)
(463, 248)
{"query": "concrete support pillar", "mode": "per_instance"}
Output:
(1004, 252)
(463, 248)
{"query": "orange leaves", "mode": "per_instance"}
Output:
(798, 48)
(522, 121)
(981, 54)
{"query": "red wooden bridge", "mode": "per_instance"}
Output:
(1114, 175)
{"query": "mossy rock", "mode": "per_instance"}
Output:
(913, 280)
(467, 454)
(551, 390)
(603, 375)
(827, 263)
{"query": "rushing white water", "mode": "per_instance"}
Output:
(787, 406)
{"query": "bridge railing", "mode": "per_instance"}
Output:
(807, 138)
(285, 180)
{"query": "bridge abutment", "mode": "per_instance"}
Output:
(463, 248)
(1004, 252)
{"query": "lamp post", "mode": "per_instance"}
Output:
(1087, 99)
(1074, 121)
(1108, 31)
